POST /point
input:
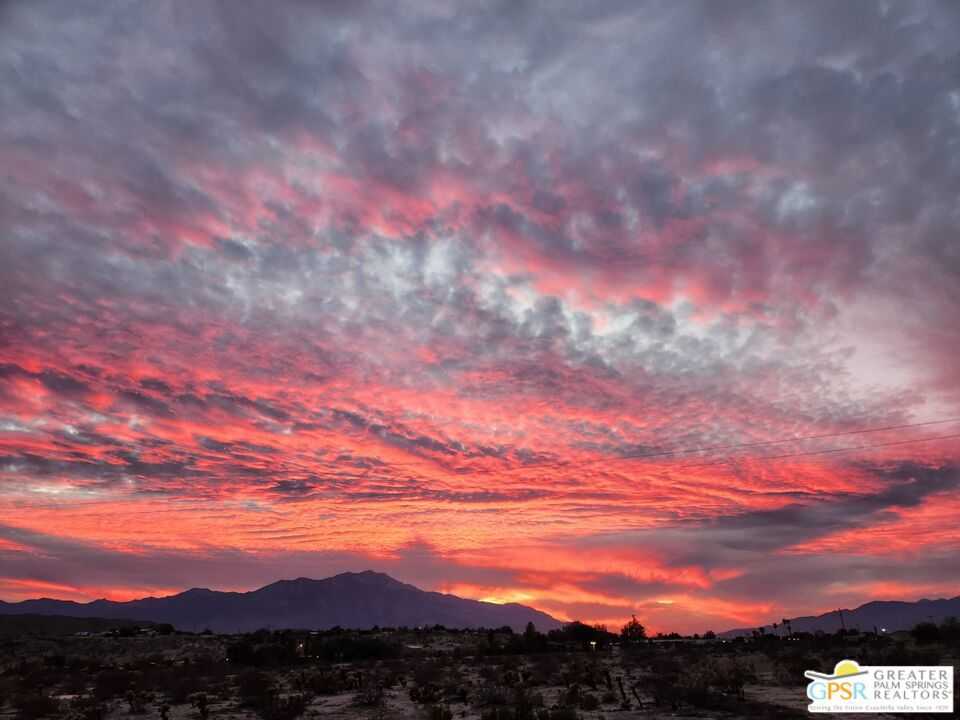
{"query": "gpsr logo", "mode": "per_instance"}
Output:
(881, 688)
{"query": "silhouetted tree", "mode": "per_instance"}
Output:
(580, 633)
(633, 631)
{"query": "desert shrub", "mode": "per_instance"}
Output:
(348, 648)
(259, 692)
(456, 691)
(113, 683)
(667, 665)
(560, 713)
(581, 672)
(6, 687)
(545, 670)
(526, 704)
(493, 694)
(426, 673)
(426, 677)
(513, 713)
(950, 633)
(729, 676)
(788, 670)
(87, 707)
(137, 701)
(276, 652)
(588, 701)
(508, 662)
(201, 704)
(390, 677)
(663, 682)
(707, 683)
(511, 678)
(497, 713)
(427, 694)
(176, 686)
(284, 708)
(437, 712)
(55, 661)
(926, 633)
(529, 642)
(73, 682)
(34, 705)
(32, 677)
(900, 654)
(256, 689)
(533, 699)
(371, 695)
(325, 682)
(521, 705)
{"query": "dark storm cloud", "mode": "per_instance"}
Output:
(826, 577)
(768, 530)
(740, 539)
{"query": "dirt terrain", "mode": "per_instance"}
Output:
(432, 674)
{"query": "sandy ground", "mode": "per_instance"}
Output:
(764, 693)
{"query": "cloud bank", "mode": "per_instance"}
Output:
(461, 292)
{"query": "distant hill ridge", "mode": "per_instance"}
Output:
(350, 600)
(53, 625)
(892, 615)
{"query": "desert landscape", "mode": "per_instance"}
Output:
(479, 359)
(51, 669)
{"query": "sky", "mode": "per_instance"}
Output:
(532, 302)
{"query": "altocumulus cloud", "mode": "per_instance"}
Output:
(297, 289)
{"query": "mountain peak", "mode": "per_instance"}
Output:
(891, 615)
(351, 599)
(364, 577)
(369, 575)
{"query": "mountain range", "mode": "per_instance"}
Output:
(367, 599)
(888, 615)
(349, 600)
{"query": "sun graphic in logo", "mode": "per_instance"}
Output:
(843, 669)
(846, 667)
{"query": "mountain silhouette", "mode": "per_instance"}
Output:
(349, 600)
(891, 615)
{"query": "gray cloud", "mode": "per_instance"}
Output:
(472, 240)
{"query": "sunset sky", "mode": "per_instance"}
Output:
(523, 302)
